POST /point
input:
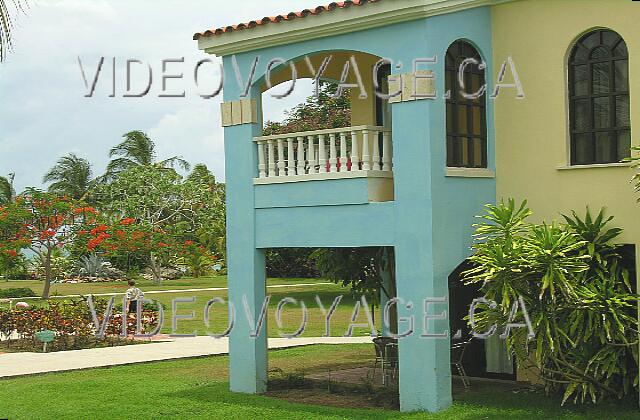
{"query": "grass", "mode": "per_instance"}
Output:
(146, 285)
(291, 315)
(198, 388)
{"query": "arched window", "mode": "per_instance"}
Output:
(599, 99)
(466, 118)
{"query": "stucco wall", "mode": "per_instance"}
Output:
(532, 134)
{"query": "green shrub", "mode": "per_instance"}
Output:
(291, 263)
(17, 293)
(577, 292)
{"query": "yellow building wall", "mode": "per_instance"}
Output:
(532, 134)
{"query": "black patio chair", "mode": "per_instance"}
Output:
(386, 357)
(457, 359)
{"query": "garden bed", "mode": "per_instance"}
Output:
(64, 344)
(72, 324)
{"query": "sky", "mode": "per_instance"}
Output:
(44, 113)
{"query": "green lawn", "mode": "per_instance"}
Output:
(219, 316)
(146, 285)
(198, 388)
(291, 315)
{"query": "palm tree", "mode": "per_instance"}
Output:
(7, 192)
(138, 149)
(71, 175)
(201, 173)
(6, 24)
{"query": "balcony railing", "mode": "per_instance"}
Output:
(350, 152)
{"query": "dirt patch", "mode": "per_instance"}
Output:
(323, 397)
(338, 395)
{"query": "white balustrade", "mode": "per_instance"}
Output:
(330, 154)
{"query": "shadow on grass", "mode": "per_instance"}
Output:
(216, 394)
(485, 404)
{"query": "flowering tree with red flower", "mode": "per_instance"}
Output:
(128, 236)
(41, 222)
(196, 257)
(159, 207)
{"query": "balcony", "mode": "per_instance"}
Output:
(340, 153)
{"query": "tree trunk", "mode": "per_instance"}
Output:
(391, 261)
(155, 269)
(388, 263)
(47, 276)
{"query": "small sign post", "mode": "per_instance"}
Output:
(46, 336)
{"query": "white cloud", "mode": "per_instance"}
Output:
(43, 114)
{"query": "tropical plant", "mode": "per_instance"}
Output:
(138, 149)
(59, 265)
(41, 222)
(291, 263)
(196, 258)
(168, 209)
(93, 265)
(20, 292)
(576, 292)
(363, 270)
(6, 189)
(210, 221)
(319, 112)
(73, 324)
(359, 268)
(13, 267)
(6, 24)
(71, 175)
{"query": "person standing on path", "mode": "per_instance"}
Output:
(133, 295)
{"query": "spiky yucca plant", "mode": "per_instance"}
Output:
(576, 288)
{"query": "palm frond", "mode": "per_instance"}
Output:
(6, 190)
(7, 23)
(71, 175)
(137, 147)
(174, 161)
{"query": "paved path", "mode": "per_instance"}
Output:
(157, 292)
(21, 364)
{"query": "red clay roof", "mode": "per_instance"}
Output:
(280, 18)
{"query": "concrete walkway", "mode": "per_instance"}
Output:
(159, 292)
(21, 364)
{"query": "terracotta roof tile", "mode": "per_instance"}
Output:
(281, 18)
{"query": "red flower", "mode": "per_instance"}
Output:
(128, 221)
(162, 245)
(94, 243)
(12, 253)
(99, 229)
(47, 234)
(80, 210)
(189, 243)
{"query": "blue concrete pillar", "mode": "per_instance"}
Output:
(247, 354)
(246, 263)
(425, 375)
